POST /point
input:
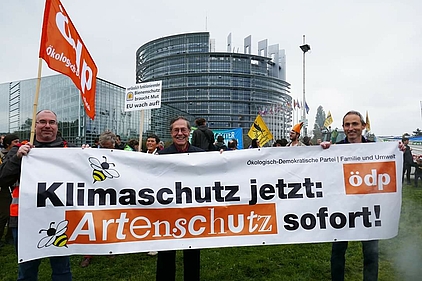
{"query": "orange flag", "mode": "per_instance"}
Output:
(64, 51)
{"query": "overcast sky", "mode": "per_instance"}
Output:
(365, 55)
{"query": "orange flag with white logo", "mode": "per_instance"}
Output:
(64, 51)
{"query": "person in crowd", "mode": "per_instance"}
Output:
(334, 135)
(280, 143)
(407, 160)
(106, 140)
(418, 170)
(220, 143)
(46, 127)
(307, 141)
(203, 137)
(232, 144)
(295, 135)
(119, 144)
(9, 142)
(353, 125)
(96, 143)
(152, 144)
(132, 145)
(1, 141)
(166, 261)
(161, 145)
(254, 143)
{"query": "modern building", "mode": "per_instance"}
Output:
(59, 94)
(228, 88)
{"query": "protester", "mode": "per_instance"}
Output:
(203, 137)
(46, 127)
(407, 160)
(9, 142)
(232, 144)
(106, 140)
(295, 134)
(132, 145)
(418, 170)
(353, 125)
(119, 144)
(166, 262)
(280, 143)
(1, 141)
(161, 145)
(152, 144)
(307, 141)
(220, 143)
(254, 143)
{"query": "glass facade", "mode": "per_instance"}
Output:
(58, 93)
(227, 89)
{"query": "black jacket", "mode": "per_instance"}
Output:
(203, 138)
(347, 141)
(407, 157)
(172, 149)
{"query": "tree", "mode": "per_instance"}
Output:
(319, 124)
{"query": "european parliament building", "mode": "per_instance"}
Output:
(228, 88)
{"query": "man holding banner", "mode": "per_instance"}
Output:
(353, 125)
(45, 136)
(166, 262)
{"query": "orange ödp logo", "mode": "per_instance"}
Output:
(364, 178)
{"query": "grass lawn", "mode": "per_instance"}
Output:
(400, 258)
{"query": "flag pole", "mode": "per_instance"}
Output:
(34, 109)
(141, 128)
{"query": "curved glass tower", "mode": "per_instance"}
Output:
(228, 89)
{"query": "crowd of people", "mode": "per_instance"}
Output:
(46, 135)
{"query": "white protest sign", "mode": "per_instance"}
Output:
(143, 96)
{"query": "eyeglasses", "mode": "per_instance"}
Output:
(177, 130)
(44, 122)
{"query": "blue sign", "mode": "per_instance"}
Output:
(229, 134)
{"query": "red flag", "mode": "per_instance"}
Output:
(64, 51)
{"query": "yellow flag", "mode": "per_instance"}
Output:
(329, 120)
(260, 131)
(368, 124)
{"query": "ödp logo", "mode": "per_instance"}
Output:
(365, 178)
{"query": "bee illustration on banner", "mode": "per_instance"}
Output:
(101, 170)
(55, 235)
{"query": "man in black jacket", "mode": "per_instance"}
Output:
(166, 262)
(46, 128)
(407, 160)
(203, 137)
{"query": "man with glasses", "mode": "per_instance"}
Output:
(353, 125)
(166, 262)
(46, 128)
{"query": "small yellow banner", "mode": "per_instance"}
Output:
(260, 131)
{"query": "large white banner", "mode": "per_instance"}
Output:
(97, 201)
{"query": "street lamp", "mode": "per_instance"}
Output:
(304, 48)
